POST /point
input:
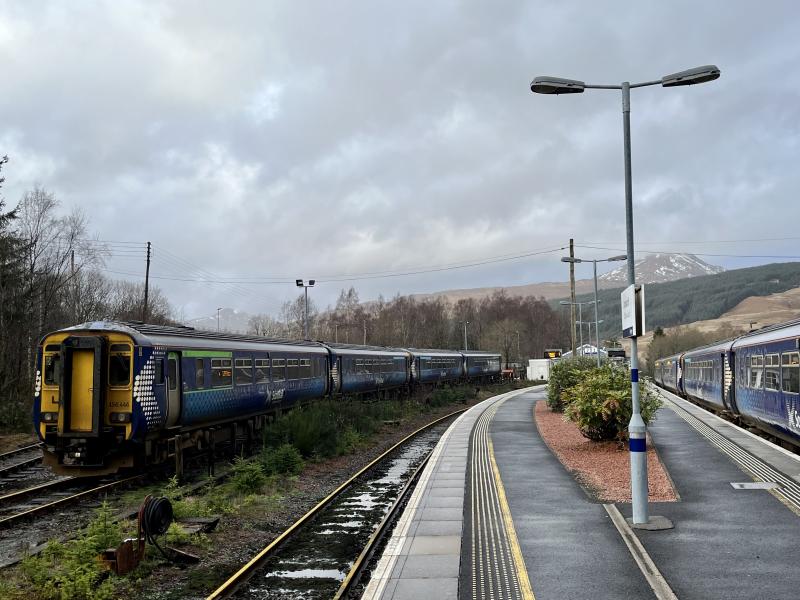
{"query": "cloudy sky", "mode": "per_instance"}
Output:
(265, 141)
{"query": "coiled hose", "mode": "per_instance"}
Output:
(155, 517)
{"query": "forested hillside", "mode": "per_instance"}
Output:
(695, 299)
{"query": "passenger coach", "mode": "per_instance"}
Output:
(111, 395)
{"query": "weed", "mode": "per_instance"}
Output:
(248, 476)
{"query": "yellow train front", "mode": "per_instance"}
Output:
(83, 400)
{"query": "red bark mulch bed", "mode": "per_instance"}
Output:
(603, 468)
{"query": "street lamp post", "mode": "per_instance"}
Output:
(219, 309)
(571, 259)
(580, 317)
(305, 286)
(465, 335)
(637, 432)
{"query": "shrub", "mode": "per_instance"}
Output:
(283, 460)
(600, 404)
(564, 374)
(71, 570)
(248, 476)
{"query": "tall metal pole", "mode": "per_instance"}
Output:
(365, 332)
(305, 323)
(465, 335)
(336, 332)
(580, 318)
(596, 323)
(146, 285)
(637, 431)
(572, 293)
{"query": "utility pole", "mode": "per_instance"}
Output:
(336, 332)
(146, 285)
(572, 293)
(365, 332)
(465, 335)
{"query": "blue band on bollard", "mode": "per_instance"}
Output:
(638, 445)
(634, 375)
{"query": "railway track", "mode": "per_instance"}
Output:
(39, 499)
(327, 550)
(17, 460)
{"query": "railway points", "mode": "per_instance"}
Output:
(495, 514)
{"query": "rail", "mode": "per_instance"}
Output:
(243, 574)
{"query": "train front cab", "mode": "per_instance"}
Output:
(83, 398)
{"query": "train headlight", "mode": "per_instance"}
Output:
(120, 417)
(49, 417)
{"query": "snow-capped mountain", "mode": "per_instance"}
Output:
(658, 268)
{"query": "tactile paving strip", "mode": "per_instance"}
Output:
(788, 491)
(492, 563)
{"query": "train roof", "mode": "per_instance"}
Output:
(434, 352)
(770, 333)
(360, 349)
(478, 353)
(169, 335)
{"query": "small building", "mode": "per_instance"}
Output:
(539, 369)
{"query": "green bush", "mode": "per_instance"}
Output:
(71, 571)
(248, 476)
(564, 374)
(283, 460)
(600, 403)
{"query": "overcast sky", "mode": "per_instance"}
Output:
(316, 139)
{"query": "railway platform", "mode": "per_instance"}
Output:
(496, 515)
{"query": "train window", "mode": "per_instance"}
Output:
(292, 368)
(755, 371)
(221, 372)
(305, 368)
(772, 372)
(278, 369)
(243, 371)
(790, 372)
(52, 369)
(52, 348)
(262, 370)
(172, 370)
(199, 373)
(158, 378)
(119, 365)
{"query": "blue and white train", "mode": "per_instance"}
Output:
(111, 395)
(754, 378)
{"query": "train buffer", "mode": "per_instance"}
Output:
(496, 515)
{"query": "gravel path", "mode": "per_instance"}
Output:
(601, 467)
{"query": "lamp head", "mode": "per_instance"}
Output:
(299, 282)
(311, 282)
(556, 85)
(620, 257)
(569, 259)
(691, 76)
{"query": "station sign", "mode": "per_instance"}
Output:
(552, 353)
(632, 300)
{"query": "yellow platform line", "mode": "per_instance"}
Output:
(519, 562)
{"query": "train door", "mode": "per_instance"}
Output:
(173, 388)
(81, 384)
(82, 390)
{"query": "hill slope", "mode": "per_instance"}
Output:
(699, 298)
(654, 268)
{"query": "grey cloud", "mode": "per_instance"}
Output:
(286, 139)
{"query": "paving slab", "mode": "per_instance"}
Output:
(569, 544)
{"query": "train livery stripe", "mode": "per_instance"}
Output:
(207, 354)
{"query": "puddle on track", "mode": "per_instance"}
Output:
(314, 563)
